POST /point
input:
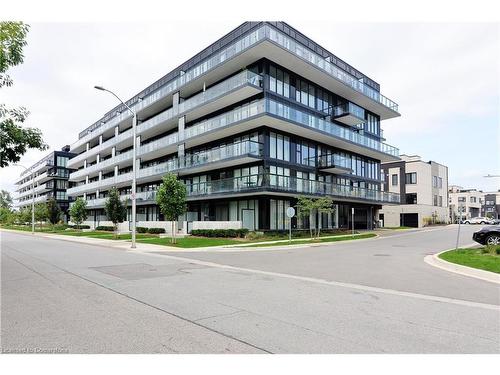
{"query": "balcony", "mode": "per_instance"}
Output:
(222, 157)
(348, 113)
(285, 185)
(38, 167)
(105, 166)
(333, 163)
(288, 119)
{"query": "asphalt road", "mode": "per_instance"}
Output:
(368, 296)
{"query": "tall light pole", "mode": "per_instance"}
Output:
(32, 197)
(134, 161)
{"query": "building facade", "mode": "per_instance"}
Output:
(469, 201)
(491, 205)
(261, 116)
(50, 180)
(423, 187)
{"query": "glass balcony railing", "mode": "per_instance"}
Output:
(238, 114)
(348, 109)
(159, 169)
(320, 62)
(226, 152)
(333, 160)
(158, 144)
(265, 182)
(303, 118)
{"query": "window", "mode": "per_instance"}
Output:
(440, 201)
(434, 181)
(279, 81)
(394, 179)
(279, 147)
(461, 199)
(435, 202)
(440, 182)
(473, 199)
(306, 153)
(62, 161)
(411, 198)
(372, 124)
(411, 178)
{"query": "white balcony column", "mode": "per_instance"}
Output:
(88, 146)
(181, 151)
(98, 158)
(116, 170)
(100, 139)
(86, 179)
(117, 131)
(97, 194)
(176, 99)
(113, 151)
(181, 125)
(85, 163)
(100, 175)
(138, 142)
(84, 196)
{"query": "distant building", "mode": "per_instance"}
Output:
(50, 180)
(423, 187)
(491, 205)
(469, 200)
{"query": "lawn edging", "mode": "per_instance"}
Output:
(435, 261)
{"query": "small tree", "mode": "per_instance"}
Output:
(24, 215)
(78, 211)
(41, 213)
(171, 198)
(54, 211)
(312, 207)
(305, 208)
(116, 210)
(6, 215)
(323, 206)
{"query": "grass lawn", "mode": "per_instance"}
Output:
(309, 241)
(398, 228)
(479, 258)
(191, 242)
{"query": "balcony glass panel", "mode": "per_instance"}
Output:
(221, 153)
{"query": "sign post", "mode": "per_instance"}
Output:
(460, 209)
(290, 212)
(352, 220)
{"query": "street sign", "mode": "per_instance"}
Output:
(290, 212)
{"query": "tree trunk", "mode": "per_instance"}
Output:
(115, 232)
(310, 226)
(172, 228)
(175, 230)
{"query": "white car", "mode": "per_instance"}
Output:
(479, 220)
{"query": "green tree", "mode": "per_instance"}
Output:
(312, 208)
(171, 198)
(41, 213)
(6, 215)
(14, 139)
(78, 211)
(116, 210)
(24, 215)
(54, 211)
(5, 199)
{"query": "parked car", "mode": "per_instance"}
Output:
(488, 235)
(479, 220)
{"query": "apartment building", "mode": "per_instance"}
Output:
(491, 205)
(50, 180)
(259, 117)
(470, 201)
(423, 187)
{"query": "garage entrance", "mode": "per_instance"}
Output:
(408, 220)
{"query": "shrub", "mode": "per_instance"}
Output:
(254, 235)
(228, 233)
(492, 249)
(60, 226)
(81, 226)
(141, 229)
(105, 228)
(156, 230)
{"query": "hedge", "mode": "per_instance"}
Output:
(79, 226)
(220, 232)
(141, 229)
(156, 230)
(105, 228)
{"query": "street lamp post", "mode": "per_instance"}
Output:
(32, 197)
(134, 161)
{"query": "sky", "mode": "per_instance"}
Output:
(444, 76)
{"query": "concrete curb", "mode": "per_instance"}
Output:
(435, 261)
